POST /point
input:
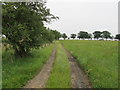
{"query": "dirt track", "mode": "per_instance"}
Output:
(39, 80)
(78, 77)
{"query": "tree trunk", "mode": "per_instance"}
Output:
(21, 52)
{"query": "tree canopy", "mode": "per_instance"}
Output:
(83, 35)
(64, 36)
(23, 25)
(97, 34)
(57, 34)
(73, 36)
(117, 37)
(106, 34)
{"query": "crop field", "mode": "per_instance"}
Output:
(99, 59)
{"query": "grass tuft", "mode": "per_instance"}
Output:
(60, 76)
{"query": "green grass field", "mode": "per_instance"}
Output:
(16, 71)
(98, 58)
(60, 76)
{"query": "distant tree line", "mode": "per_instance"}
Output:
(96, 35)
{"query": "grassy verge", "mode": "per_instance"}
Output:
(99, 59)
(60, 76)
(16, 71)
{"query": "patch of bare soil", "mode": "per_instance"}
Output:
(40, 80)
(79, 78)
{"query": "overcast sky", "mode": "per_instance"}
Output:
(87, 15)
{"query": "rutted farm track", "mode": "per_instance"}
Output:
(78, 77)
(40, 80)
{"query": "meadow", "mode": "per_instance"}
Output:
(17, 71)
(99, 59)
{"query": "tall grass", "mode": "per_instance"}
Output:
(60, 76)
(99, 59)
(17, 71)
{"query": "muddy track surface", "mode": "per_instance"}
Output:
(40, 80)
(79, 78)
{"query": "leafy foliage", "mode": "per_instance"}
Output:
(97, 34)
(73, 36)
(117, 37)
(106, 34)
(64, 36)
(57, 34)
(83, 35)
(23, 25)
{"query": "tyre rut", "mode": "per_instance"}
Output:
(41, 78)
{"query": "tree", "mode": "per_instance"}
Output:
(97, 34)
(112, 37)
(64, 36)
(23, 25)
(117, 37)
(106, 34)
(90, 36)
(56, 34)
(83, 35)
(48, 36)
(73, 36)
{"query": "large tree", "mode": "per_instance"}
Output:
(90, 36)
(117, 37)
(64, 36)
(97, 34)
(73, 36)
(106, 34)
(83, 35)
(23, 25)
(57, 34)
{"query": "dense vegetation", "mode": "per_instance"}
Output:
(15, 73)
(99, 59)
(60, 75)
(23, 26)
